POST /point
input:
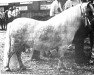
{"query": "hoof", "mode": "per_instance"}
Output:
(7, 69)
(23, 68)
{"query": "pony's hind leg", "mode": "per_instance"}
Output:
(22, 67)
(37, 55)
(7, 60)
(42, 57)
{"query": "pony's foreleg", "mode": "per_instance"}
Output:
(61, 52)
(91, 39)
(91, 46)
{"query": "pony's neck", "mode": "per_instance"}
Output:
(76, 10)
(72, 13)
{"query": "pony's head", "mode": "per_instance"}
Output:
(87, 10)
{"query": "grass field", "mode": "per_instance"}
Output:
(41, 67)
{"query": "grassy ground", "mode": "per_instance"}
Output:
(46, 67)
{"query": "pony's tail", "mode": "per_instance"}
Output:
(7, 45)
